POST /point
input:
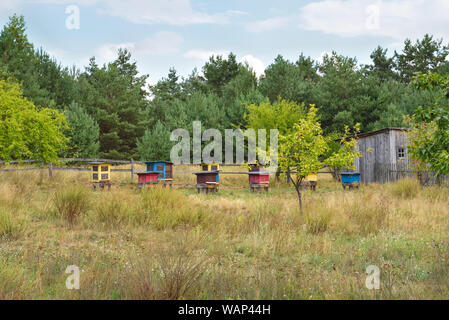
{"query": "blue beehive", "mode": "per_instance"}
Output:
(163, 168)
(350, 179)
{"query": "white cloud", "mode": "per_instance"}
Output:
(322, 55)
(256, 64)
(397, 19)
(267, 25)
(173, 12)
(162, 43)
(204, 55)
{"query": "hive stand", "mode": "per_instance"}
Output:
(310, 182)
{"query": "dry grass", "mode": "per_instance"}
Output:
(174, 244)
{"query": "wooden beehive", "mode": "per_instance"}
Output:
(100, 174)
(164, 169)
(209, 178)
(147, 178)
(258, 178)
(212, 167)
(350, 179)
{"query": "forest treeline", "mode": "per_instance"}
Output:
(112, 113)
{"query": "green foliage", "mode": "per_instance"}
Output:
(218, 72)
(44, 81)
(305, 150)
(281, 115)
(422, 57)
(430, 134)
(155, 144)
(25, 131)
(84, 133)
(290, 81)
(383, 66)
(114, 97)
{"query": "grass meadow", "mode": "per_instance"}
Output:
(175, 244)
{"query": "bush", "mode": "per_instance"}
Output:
(71, 203)
(406, 188)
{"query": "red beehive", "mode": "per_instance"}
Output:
(208, 179)
(259, 178)
(148, 178)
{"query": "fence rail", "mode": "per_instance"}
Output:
(132, 170)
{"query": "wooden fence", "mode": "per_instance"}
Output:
(384, 173)
(51, 166)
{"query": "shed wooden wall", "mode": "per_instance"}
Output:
(377, 152)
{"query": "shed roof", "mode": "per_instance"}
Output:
(373, 133)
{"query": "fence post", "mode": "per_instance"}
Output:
(50, 170)
(132, 170)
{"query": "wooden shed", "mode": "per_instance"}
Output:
(385, 156)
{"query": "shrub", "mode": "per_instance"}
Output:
(406, 188)
(71, 203)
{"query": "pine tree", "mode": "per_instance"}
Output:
(155, 144)
(84, 133)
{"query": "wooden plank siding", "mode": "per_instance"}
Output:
(382, 164)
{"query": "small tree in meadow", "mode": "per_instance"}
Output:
(429, 136)
(305, 150)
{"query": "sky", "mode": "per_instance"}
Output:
(184, 33)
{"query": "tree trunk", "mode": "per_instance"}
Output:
(298, 192)
(278, 174)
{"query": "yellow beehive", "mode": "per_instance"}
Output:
(100, 172)
(210, 167)
(311, 178)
